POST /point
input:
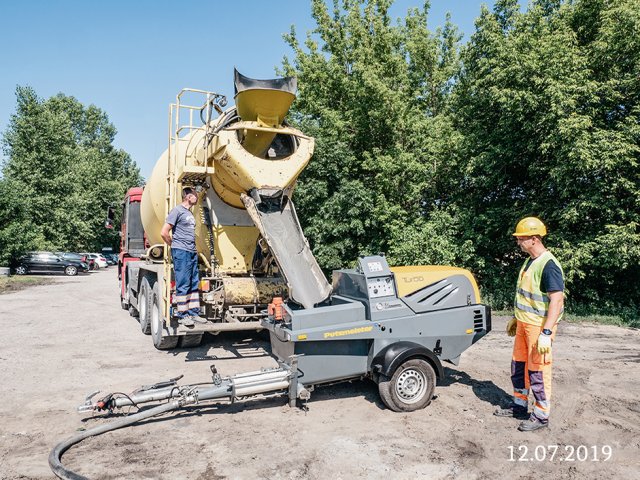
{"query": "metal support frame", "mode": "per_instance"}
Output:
(182, 132)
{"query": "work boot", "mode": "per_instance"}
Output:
(512, 412)
(197, 319)
(186, 321)
(532, 424)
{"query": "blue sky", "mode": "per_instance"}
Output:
(131, 58)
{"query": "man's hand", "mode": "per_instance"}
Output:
(512, 326)
(544, 344)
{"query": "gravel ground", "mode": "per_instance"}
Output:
(70, 338)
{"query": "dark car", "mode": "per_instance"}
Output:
(112, 258)
(48, 262)
(81, 257)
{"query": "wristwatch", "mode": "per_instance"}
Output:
(546, 331)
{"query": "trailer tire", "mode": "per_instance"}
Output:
(410, 387)
(160, 340)
(190, 341)
(144, 307)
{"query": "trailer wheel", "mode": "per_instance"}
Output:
(144, 307)
(190, 341)
(410, 387)
(160, 340)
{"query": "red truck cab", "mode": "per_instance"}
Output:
(133, 241)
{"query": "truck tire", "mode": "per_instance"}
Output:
(160, 340)
(144, 306)
(190, 341)
(410, 387)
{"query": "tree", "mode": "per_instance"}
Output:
(60, 174)
(374, 95)
(547, 105)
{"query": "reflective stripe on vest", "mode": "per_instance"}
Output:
(531, 303)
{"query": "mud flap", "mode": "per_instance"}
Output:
(279, 226)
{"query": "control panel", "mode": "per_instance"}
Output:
(380, 287)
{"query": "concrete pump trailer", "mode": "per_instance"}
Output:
(392, 325)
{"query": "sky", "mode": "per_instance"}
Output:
(131, 58)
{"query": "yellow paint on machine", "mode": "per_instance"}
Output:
(302, 336)
(415, 277)
(469, 331)
(350, 331)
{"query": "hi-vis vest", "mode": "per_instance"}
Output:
(532, 304)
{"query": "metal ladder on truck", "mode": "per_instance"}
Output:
(187, 162)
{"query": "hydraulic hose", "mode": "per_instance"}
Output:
(55, 457)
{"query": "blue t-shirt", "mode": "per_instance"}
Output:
(184, 228)
(552, 280)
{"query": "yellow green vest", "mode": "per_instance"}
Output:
(531, 303)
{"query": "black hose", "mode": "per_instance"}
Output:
(55, 457)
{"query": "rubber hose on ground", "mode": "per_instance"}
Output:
(55, 457)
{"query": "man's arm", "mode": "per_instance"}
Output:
(556, 303)
(165, 233)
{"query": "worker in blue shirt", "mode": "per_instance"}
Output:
(182, 225)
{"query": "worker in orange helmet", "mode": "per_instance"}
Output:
(539, 305)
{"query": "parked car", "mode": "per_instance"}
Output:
(83, 257)
(100, 261)
(48, 262)
(112, 258)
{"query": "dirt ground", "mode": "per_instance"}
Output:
(67, 339)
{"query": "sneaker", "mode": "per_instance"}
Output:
(186, 321)
(532, 424)
(197, 319)
(511, 412)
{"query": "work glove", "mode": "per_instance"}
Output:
(544, 344)
(512, 325)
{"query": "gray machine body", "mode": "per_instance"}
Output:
(347, 336)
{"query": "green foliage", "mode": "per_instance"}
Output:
(432, 152)
(60, 174)
(375, 95)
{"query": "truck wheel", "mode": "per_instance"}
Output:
(144, 307)
(410, 387)
(190, 341)
(160, 340)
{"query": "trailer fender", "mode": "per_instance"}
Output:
(392, 356)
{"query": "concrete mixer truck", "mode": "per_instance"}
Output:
(248, 151)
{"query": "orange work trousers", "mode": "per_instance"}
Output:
(531, 371)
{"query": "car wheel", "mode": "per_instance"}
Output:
(21, 270)
(70, 270)
(190, 341)
(96, 266)
(144, 304)
(410, 387)
(160, 340)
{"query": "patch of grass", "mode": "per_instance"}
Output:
(621, 320)
(14, 283)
